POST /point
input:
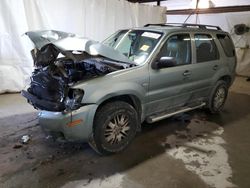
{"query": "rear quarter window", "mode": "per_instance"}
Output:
(226, 44)
(206, 49)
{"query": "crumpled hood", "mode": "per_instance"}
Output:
(71, 42)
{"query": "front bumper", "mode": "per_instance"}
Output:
(64, 122)
(43, 104)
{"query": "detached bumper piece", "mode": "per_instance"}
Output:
(43, 104)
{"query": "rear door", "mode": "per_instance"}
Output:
(169, 87)
(206, 64)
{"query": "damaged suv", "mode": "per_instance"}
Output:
(102, 92)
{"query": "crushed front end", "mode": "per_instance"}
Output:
(60, 61)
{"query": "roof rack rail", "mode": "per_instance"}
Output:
(201, 26)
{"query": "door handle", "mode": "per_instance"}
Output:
(215, 67)
(186, 73)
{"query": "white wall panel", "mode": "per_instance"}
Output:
(226, 21)
(190, 4)
(95, 19)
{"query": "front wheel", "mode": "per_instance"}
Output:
(218, 97)
(115, 126)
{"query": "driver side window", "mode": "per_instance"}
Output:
(177, 47)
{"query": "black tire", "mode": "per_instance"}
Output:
(115, 126)
(218, 97)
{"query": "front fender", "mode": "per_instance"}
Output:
(98, 96)
(133, 81)
(103, 94)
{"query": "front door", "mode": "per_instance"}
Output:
(169, 87)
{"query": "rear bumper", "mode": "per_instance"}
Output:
(75, 126)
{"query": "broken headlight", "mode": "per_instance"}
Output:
(74, 99)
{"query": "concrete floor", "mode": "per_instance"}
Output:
(193, 150)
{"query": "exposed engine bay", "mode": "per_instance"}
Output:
(56, 70)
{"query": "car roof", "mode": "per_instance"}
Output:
(166, 28)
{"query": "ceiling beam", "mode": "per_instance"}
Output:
(211, 10)
(145, 1)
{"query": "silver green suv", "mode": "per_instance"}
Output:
(102, 92)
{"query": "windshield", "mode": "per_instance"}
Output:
(134, 44)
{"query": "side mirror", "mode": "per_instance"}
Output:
(164, 62)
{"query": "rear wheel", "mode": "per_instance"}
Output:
(115, 126)
(218, 97)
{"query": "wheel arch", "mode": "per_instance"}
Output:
(227, 78)
(131, 99)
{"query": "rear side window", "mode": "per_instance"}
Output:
(226, 44)
(206, 49)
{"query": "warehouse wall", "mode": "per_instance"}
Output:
(189, 4)
(226, 21)
(95, 19)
